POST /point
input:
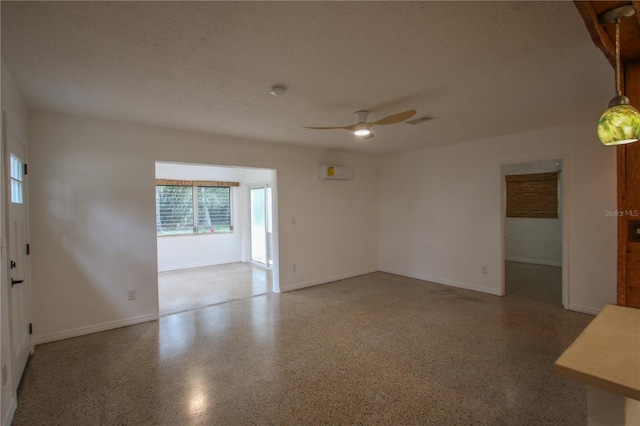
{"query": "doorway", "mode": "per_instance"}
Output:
(208, 245)
(534, 243)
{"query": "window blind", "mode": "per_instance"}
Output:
(532, 195)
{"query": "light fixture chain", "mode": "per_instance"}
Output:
(618, 76)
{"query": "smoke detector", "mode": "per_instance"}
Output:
(278, 90)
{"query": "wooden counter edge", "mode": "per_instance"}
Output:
(599, 382)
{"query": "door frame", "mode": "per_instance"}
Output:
(564, 219)
(269, 215)
(243, 217)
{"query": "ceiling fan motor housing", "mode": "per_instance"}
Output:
(361, 116)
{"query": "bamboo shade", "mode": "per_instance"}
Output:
(174, 182)
(533, 195)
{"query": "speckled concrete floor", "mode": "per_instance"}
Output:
(375, 349)
(187, 289)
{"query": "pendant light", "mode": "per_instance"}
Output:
(620, 122)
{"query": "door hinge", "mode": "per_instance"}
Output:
(28, 249)
(30, 328)
(25, 169)
(12, 264)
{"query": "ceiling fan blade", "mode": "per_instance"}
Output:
(397, 118)
(329, 128)
(369, 136)
(351, 127)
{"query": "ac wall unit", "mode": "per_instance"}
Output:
(335, 173)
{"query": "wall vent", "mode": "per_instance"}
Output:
(421, 119)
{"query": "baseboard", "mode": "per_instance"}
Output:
(442, 281)
(11, 412)
(584, 309)
(198, 265)
(81, 331)
(320, 281)
(534, 261)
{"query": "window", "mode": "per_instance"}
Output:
(214, 209)
(193, 207)
(533, 195)
(16, 179)
(174, 210)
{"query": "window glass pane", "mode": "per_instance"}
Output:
(16, 168)
(16, 191)
(214, 209)
(174, 210)
(16, 179)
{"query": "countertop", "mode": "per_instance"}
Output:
(607, 352)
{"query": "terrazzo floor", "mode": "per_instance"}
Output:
(374, 349)
(188, 289)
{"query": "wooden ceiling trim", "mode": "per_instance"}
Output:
(596, 30)
(603, 36)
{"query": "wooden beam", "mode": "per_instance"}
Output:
(596, 30)
(629, 202)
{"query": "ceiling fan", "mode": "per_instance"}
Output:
(362, 127)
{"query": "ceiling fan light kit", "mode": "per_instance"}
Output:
(620, 122)
(363, 130)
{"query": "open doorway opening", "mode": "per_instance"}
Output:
(534, 250)
(204, 227)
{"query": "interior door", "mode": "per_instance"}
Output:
(19, 307)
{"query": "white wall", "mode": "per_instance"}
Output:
(93, 216)
(16, 122)
(249, 176)
(534, 240)
(191, 251)
(440, 215)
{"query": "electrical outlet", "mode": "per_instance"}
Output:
(4, 374)
(295, 268)
(132, 294)
(484, 269)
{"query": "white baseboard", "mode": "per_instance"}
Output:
(198, 265)
(534, 261)
(11, 411)
(319, 281)
(81, 331)
(442, 281)
(584, 309)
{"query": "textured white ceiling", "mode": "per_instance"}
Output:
(483, 68)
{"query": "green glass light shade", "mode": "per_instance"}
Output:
(619, 124)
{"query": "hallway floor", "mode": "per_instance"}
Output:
(537, 282)
(374, 349)
(194, 288)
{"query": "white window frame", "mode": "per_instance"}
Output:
(194, 196)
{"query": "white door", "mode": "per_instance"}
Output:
(19, 308)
